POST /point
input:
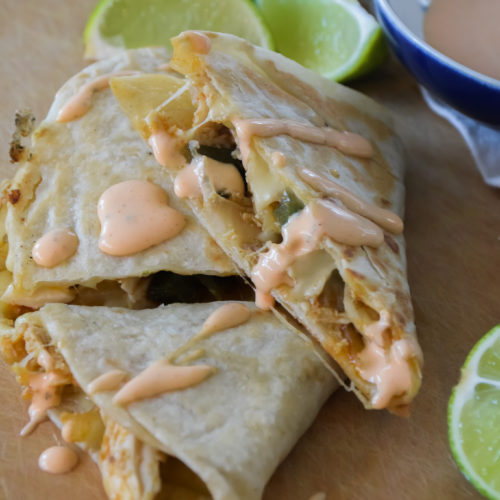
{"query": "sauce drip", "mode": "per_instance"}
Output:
(81, 102)
(384, 218)
(166, 149)
(187, 183)
(67, 430)
(134, 216)
(389, 371)
(467, 31)
(348, 143)
(55, 247)
(161, 377)
(302, 235)
(45, 388)
(58, 460)
(108, 381)
(225, 317)
(278, 159)
(199, 42)
(264, 300)
(225, 178)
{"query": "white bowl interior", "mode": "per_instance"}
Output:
(411, 13)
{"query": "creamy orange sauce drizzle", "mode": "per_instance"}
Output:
(166, 149)
(58, 460)
(81, 102)
(187, 183)
(67, 430)
(384, 218)
(264, 300)
(278, 159)
(302, 235)
(348, 143)
(389, 370)
(467, 31)
(224, 177)
(108, 381)
(225, 317)
(45, 395)
(134, 216)
(199, 42)
(375, 331)
(55, 247)
(161, 377)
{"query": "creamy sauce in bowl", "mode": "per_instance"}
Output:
(467, 32)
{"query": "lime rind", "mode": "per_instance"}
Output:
(91, 21)
(369, 51)
(100, 45)
(268, 37)
(463, 393)
(371, 56)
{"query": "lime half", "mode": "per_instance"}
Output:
(336, 38)
(474, 416)
(118, 24)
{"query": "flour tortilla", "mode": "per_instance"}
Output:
(234, 428)
(339, 290)
(68, 167)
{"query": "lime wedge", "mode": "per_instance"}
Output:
(474, 416)
(336, 38)
(118, 24)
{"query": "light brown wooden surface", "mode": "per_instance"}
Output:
(453, 240)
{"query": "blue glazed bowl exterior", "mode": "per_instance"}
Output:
(474, 96)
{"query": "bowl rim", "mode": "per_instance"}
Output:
(422, 44)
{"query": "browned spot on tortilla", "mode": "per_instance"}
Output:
(385, 202)
(378, 261)
(14, 195)
(400, 319)
(16, 151)
(391, 243)
(353, 337)
(40, 132)
(348, 252)
(404, 306)
(355, 274)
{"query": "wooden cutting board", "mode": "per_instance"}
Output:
(453, 241)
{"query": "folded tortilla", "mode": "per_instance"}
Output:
(354, 298)
(60, 179)
(231, 430)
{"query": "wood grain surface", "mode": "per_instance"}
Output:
(453, 241)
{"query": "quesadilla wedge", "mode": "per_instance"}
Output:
(239, 388)
(65, 172)
(317, 225)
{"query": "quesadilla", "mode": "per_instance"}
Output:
(69, 166)
(257, 386)
(317, 224)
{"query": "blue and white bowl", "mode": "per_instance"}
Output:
(470, 92)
